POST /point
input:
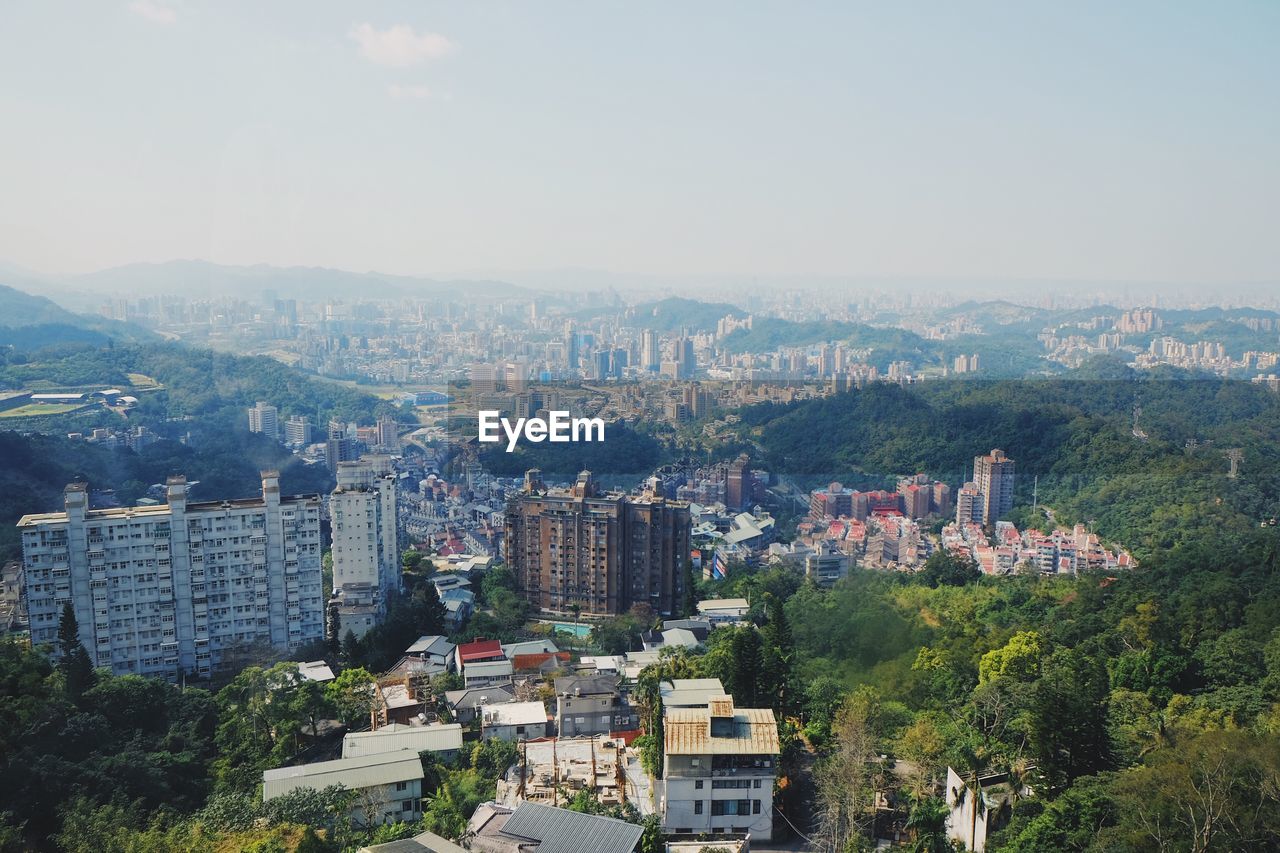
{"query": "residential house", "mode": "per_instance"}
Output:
(690, 692)
(465, 704)
(592, 705)
(536, 828)
(719, 768)
(514, 721)
(387, 786)
(724, 611)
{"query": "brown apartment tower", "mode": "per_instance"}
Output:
(600, 552)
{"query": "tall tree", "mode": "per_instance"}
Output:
(75, 665)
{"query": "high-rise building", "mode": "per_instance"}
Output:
(650, 355)
(739, 483)
(297, 431)
(181, 586)
(388, 433)
(485, 379)
(994, 476)
(265, 418)
(599, 552)
(969, 504)
(339, 447)
(366, 542)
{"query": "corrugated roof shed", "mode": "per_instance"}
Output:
(688, 732)
(438, 738)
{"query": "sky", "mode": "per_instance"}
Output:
(1091, 140)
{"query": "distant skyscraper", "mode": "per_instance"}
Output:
(265, 418)
(485, 379)
(650, 356)
(994, 476)
(388, 433)
(177, 587)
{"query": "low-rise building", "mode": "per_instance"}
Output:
(531, 827)
(465, 704)
(514, 721)
(724, 611)
(387, 786)
(443, 739)
(592, 705)
(719, 768)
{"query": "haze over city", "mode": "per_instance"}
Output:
(540, 142)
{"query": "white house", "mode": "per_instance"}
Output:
(514, 721)
(719, 769)
(722, 611)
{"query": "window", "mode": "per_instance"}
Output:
(697, 784)
(407, 806)
(755, 807)
(402, 786)
(697, 806)
(755, 783)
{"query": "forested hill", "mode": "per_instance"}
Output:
(29, 321)
(1075, 435)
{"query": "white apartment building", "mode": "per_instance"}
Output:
(265, 418)
(366, 543)
(719, 769)
(173, 587)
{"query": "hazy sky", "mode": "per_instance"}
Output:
(1095, 140)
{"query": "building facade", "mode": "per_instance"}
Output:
(366, 543)
(719, 768)
(265, 418)
(993, 474)
(177, 587)
(601, 553)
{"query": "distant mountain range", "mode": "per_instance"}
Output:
(205, 279)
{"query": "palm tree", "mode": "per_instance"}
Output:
(928, 824)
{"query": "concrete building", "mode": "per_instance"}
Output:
(265, 418)
(719, 769)
(994, 476)
(598, 552)
(297, 431)
(592, 705)
(826, 569)
(514, 721)
(366, 544)
(177, 587)
(387, 786)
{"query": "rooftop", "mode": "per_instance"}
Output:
(361, 772)
(688, 731)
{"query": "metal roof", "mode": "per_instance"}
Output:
(688, 732)
(563, 831)
(471, 696)
(437, 738)
(365, 771)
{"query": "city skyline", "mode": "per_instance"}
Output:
(991, 142)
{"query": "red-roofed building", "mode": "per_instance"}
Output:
(479, 650)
